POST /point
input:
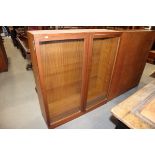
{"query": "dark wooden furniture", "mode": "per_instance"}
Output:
(77, 70)
(21, 41)
(19, 37)
(3, 57)
(151, 57)
(23, 46)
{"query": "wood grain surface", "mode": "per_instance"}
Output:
(131, 60)
(62, 71)
(148, 111)
(125, 112)
(77, 70)
(103, 55)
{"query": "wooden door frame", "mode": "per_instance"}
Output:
(60, 37)
(99, 36)
(87, 58)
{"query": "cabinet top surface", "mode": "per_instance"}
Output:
(72, 31)
(69, 31)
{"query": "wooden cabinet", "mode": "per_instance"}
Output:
(75, 70)
(3, 57)
(131, 59)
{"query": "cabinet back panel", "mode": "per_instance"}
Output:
(62, 71)
(104, 51)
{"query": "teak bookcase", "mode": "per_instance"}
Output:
(78, 70)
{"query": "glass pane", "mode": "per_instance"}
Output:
(62, 69)
(103, 56)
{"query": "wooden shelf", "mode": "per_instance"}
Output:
(70, 104)
(64, 68)
(62, 92)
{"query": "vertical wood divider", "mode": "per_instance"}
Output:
(85, 72)
(113, 68)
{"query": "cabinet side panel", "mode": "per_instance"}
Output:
(130, 62)
(36, 75)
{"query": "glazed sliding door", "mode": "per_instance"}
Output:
(100, 70)
(62, 63)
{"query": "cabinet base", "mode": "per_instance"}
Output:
(76, 115)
